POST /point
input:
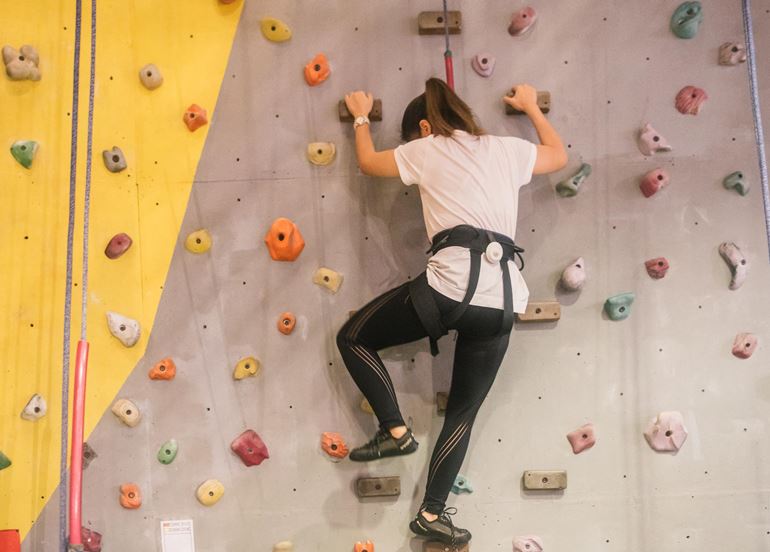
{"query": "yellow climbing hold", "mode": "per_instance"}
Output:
(209, 492)
(275, 30)
(198, 241)
(327, 278)
(246, 367)
(321, 153)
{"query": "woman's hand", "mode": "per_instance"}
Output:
(524, 98)
(359, 103)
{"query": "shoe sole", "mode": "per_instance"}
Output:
(382, 457)
(445, 539)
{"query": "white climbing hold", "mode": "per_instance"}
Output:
(528, 543)
(126, 329)
(35, 409)
(738, 263)
(667, 432)
(574, 276)
(127, 412)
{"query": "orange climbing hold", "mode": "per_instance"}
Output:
(286, 323)
(333, 445)
(195, 117)
(130, 497)
(284, 240)
(367, 546)
(317, 70)
(164, 369)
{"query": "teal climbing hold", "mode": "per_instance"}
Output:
(461, 485)
(4, 461)
(687, 19)
(618, 307)
(571, 186)
(737, 181)
(167, 451)
(24, 152)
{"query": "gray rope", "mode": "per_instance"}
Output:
(87, 193)
(446, 26)
(64, 436)
(758, 132)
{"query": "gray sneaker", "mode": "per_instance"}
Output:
(440, 529)
(383, 445)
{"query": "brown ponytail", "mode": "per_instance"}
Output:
(442, 108)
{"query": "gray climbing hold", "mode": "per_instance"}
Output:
(114, 159)
(737, 181)
(574, 276)
(571, 186)
(738, 263)
(687, 19)
(618, 307)
(461, 485)
(21, 64)
(732, 53)
(150, 76)
(24, 152)
(35, 409)
(167, 451)
(126, 329)
(89, 454)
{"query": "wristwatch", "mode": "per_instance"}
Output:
(360, 120)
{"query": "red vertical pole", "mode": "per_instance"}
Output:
(76, 458)
(450, 74)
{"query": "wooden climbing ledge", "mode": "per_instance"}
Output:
(541, 311)
(432, 22)
(543, 102)
(378, 486)
(545, 480)
(374, 115)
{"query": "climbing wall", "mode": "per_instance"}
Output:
(610, 69)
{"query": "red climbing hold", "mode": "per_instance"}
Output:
(9, 540)
(164, 369)
(657, 267)
(284, 240)
(92, 540)
(522, 21)
(250, 448)
(690, 99)
(653, 181)
(195, 117)
(118, 245)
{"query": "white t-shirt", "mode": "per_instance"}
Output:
(472, 180)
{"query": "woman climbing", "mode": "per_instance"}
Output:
(469, 184)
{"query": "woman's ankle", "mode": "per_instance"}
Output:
(398, 432)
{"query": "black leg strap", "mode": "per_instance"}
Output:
(473, 282)
(507, 300)
(427, 310)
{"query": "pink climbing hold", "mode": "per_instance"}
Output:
(583, 438)
(118, 245)
(651, 142)
(666, 433)
(657, 267)
(522, 21)
(92, 540)
(744, 345)
(690, 99)
(483, 64)
(250, 448)
(653, 181)
(528, 543)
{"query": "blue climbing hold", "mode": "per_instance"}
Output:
(618, 307)
(461, 485)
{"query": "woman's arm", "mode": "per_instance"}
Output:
(551, 155)
(372, 163)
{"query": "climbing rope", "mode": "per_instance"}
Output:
(450, 76)
(75, 486)
(758, 132)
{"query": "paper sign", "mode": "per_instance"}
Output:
(177, 535)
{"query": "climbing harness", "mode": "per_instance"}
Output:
(495, 247)
(450, 75)
(758, 132)
(74, 542)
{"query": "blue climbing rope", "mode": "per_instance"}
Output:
(758, 131)
(64, 436)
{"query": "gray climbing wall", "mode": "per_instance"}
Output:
(611, 66)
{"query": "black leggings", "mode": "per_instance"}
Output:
(389, 320)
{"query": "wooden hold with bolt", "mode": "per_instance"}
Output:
(543, 102)
(347, 117)
(432, 22)
(540, 311)
(367, 487)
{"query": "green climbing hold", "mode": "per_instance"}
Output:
(687, 19)
(24, 152)
(737, 181)
(4, 461)
(570, 186)
(618, 307)
(168, 451)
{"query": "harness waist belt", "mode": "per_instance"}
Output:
(496, 247)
